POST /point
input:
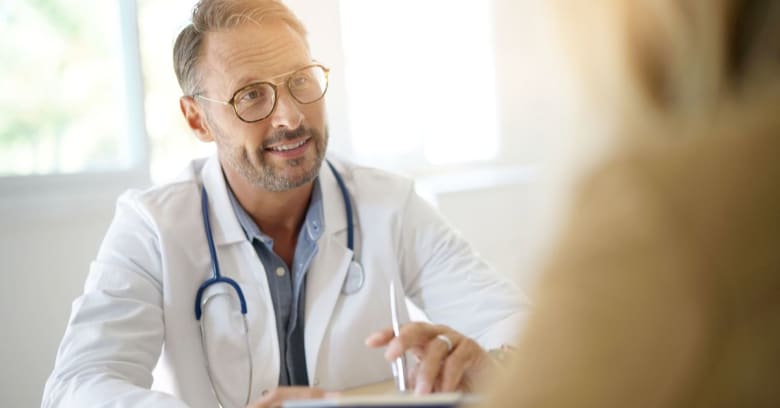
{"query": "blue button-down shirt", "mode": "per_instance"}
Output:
(288, 289)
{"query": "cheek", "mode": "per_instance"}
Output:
(250, 136)
(315, 114)
(253, 135)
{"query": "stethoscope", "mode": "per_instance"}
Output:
(352, 283)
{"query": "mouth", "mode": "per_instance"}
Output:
(289, 148)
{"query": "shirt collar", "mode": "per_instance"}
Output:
(314, 222)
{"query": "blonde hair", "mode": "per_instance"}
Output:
(674, 59)
(217, 15)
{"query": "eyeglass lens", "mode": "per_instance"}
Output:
(256, 102)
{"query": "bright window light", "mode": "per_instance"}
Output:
(63, 105)
(172, 143)
(420, 81)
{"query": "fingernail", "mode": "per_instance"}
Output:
(371, 337)
(419, 389)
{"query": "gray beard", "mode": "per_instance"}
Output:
(265, 176)
(269, 180)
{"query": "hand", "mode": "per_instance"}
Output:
(439, 369)
(275, 397)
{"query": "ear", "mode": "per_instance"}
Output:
(196, 119)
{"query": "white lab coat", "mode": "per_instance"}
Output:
(137, 310)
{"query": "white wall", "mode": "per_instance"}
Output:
(49, 233)
(48, 239)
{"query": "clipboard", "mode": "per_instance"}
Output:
(384, 395)
(442, 400)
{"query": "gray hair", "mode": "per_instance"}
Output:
(215, 15)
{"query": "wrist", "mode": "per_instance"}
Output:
(501, 356)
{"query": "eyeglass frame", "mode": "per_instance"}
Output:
(274, 86)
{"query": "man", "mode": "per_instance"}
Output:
(310, 250)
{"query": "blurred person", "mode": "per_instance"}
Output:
(662, 287)
(263, 274)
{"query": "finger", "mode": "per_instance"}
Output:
(463, 357)
(430, 366)
(277, 396)
(411, 335)
(437, 385)
(413, 374)
(417, 352)
(379, 338)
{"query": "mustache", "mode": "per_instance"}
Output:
(284, 135)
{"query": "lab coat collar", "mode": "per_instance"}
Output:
(225, 226)
(333, 203)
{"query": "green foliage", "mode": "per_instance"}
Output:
(64, 18)
(44, 44)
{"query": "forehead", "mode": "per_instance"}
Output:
(251, 52)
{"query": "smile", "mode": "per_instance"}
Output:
(288, 147)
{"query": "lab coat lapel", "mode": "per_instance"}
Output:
(326, 275)
(227, 232)
(224, 224)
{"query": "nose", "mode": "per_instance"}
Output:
(287, 113)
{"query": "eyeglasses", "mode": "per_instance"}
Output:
(257, 101)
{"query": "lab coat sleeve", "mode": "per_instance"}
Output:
(115, 333)
(449, 281)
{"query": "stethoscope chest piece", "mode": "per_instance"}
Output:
(354, 279)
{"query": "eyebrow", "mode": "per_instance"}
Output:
(249, 80)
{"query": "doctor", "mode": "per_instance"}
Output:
(262, 274)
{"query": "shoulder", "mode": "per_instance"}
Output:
(147, 220)
(371, 182)
(166, 199)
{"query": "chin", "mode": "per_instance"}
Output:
(293, 174)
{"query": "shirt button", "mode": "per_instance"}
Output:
(316, 382)
(280, 271)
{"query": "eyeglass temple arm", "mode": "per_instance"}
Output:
(210, 100)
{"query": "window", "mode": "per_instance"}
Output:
(399, 84)
(173, 144)
(420, 81)
(64, 107)
(420, 90)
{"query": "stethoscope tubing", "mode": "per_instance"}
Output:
(216, 276)
(347, 206)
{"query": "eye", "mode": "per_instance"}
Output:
(254, 94)
(250, 95)
(300, 81)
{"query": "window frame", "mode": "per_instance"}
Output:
(58, 192)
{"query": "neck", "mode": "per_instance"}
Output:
(277, 213)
